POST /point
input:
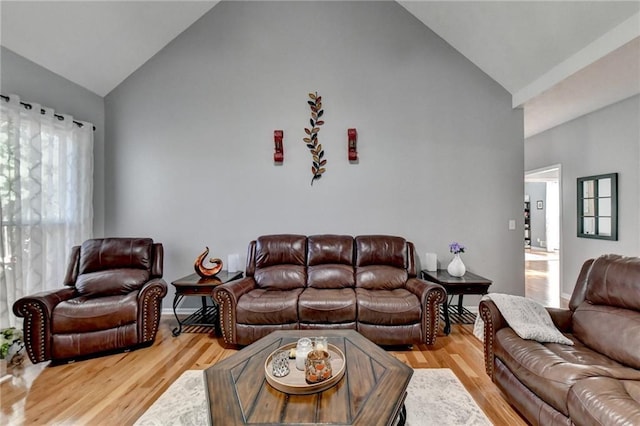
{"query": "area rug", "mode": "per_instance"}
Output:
(435, 396)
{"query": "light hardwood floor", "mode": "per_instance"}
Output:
(542, 278)
(117, 389)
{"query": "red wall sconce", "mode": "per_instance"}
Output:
(352, 138)
(278, 155)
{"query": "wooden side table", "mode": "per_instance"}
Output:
(194, 285)
(469, 283)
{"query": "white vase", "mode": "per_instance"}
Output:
(456, 268)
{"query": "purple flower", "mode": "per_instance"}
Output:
(456, 248)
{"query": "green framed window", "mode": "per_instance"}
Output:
(598, 207)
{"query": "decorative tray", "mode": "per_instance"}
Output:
(294, 382)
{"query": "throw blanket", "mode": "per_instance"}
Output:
(528, 319)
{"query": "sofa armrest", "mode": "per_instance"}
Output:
(561, 318)
(431, 296)
(36, 310)
(493, 321)
(149, 308)
(227, 296)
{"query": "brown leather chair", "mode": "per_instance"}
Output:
(111, 302)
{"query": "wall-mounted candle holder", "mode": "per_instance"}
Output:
(278, 155)
(352, 141)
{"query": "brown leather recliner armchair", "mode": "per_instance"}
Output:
(111, 301)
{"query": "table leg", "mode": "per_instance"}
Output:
(403, 415)
(204, 308)
(447, 321)
(460, 309)
(176, 301)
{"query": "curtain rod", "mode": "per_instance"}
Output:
(42, 111)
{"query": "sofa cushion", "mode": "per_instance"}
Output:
(280, 250)
(381, 250)
(611, 304)
(280, 262)
(381, 277)
(610, 330)
(330, 276)
(613, 281)
(281, 277)
(605, 401)
(111, 282)
(330, 261)
(388, 307)
(327, 306)
(266, 307)
(330, 249)
(550, 369)
(84, 314)
(109, 253)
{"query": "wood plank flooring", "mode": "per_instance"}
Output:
(117, 389)
(542, 278)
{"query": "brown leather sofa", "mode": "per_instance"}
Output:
(111, 301)
(367, 283)
(594, 382)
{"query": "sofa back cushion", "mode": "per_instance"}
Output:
(330, 261)
(115, 253)
(111, 282)
(113, 266)
(608, 320)
(381, 262)
(280, 262)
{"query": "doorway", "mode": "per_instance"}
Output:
(543, 256)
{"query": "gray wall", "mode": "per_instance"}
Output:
(537, 191)
(190, 138)
(34, 83)
(605, 141)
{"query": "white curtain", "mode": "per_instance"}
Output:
(46, 190)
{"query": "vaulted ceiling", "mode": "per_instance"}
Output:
(558, 59)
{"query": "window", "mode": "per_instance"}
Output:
(598, 207)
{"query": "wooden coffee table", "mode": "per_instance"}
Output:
(372, 391)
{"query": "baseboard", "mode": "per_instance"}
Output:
(473, 309)
(189, 311)
(179, 311)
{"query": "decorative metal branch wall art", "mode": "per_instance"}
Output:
(319, 162)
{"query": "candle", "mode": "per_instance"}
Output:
(302, 350)
(320, 343)
(431, 262)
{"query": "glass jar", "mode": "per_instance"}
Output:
(320, 344)
(280, 364)
(317, 367)
(303, 347)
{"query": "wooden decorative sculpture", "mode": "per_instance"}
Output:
(204, 271)
(317, 168)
